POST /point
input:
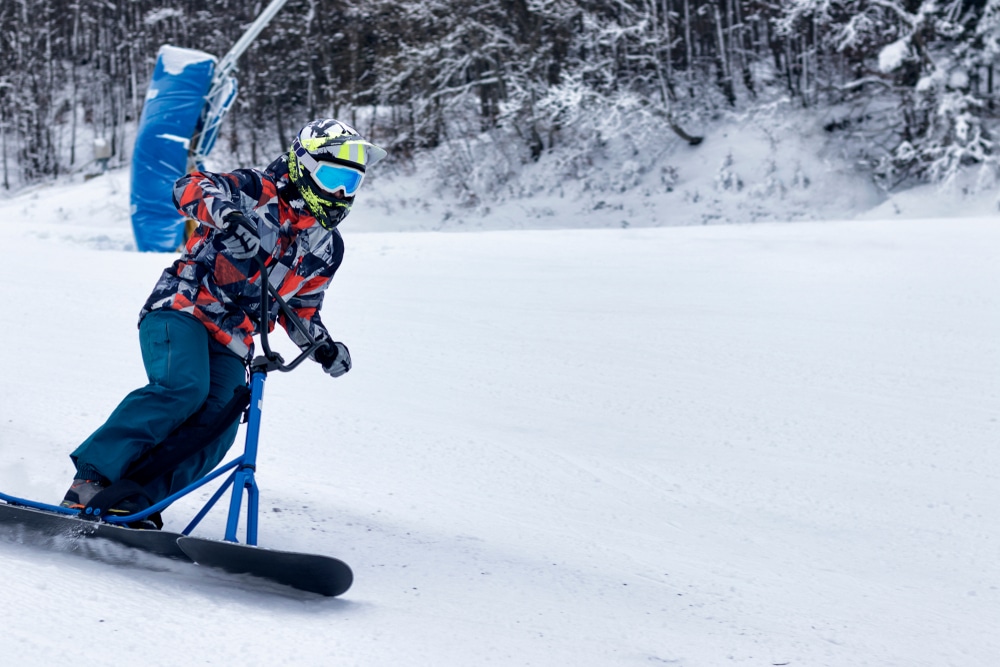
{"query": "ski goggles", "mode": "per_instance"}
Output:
(335, 178)
(332, 177)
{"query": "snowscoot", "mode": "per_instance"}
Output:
(310, 572)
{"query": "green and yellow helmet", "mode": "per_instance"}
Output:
(327, 163)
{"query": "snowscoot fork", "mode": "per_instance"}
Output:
(243, 477)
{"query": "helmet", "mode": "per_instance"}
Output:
(327, 162)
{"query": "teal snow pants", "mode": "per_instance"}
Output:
(189, 374)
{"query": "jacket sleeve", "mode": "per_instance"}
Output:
(306, 307)
(317, 270)
(208, 198)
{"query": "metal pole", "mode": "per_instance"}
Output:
(221, 79)
(228, 62)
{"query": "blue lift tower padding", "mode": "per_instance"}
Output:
(173, 108)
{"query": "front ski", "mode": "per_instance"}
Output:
(51, 524)
(308, 572)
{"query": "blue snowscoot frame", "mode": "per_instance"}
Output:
(241, 469)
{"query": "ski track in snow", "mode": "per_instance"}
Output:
(764, 444)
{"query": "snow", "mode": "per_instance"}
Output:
(750, 444)
(774, 164)
(892, 55)
(175, 58)
(184, 141)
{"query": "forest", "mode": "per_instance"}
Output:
(488, 86)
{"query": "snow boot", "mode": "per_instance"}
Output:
(81, 492)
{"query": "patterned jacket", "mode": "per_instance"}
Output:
(224, 293)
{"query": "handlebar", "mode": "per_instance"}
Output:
(270, 360)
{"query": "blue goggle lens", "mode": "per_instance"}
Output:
(334, 177)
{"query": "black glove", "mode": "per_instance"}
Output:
(240, 235)
(334, 357)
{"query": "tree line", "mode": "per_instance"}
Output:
(509, 80)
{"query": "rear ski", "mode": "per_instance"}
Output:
(52, 524)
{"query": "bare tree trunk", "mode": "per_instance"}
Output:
(283, 138)
(725, 78)
(3, 148)
(670, 46)
(688, 45)
(743, 50)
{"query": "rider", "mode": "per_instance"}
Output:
(196, 329)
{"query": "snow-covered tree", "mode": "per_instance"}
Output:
(486, 86)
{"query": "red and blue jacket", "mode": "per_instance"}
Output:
(224, 293)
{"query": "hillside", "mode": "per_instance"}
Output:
(769, 444)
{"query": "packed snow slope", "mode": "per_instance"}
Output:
(767, 444)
